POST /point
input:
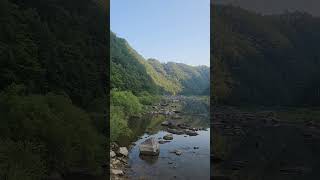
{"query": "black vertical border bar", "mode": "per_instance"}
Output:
(211, 90)
(107, 86)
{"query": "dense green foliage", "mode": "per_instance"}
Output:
(56, 52)
(123, 106)
(146, 98)
(118, 123)
(48, 128)
(54, 46)
(127, 71)
(127, 100)
(137, 83)
(265, 59)
(130, 71)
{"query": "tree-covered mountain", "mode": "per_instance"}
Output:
(130, 71)
(53, 74)
(265, 59)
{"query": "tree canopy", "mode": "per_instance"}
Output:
(265, 59)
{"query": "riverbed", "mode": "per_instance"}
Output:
(194, 161)
(191, 164)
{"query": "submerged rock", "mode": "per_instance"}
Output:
(177, 152)
(168, 137)
(183, 126)
(170, 123)
(175, 131)
(149, 147)
(190, 132)
(163, 142)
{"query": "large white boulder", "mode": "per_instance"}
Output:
(150, 147)
(123, 151)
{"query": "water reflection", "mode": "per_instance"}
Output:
(193, 163)
(149, 159)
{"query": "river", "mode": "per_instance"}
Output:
(193, 163)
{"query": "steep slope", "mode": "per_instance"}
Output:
(54, 46)
(194, 80)
(265, 59)
(157, 72)
(130, 71)
(52, 74)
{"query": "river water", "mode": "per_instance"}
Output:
(193, 163)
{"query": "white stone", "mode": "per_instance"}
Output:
(117, 172)
(112, 154)
(149, 147)
(123, 151)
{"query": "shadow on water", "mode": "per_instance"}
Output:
(149, 159)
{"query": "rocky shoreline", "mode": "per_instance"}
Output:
(173, 125)
(118, 162)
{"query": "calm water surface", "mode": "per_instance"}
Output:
(192, 164)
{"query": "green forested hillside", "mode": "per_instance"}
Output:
(52, 87)
(265, 59)
(127, 69)
(130, 71)
(136, 82)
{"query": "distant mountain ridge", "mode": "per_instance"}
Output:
(130, 71)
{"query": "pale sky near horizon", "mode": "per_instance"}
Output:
(167, 30)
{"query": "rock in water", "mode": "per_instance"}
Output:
(163, 142)
(168, 137)
(175, 131)
(177, 152)
(112, 154)
(190, 132)
(123, 151)
(165, 123)
(150, 147)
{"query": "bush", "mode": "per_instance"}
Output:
(64, 131)
(129, 102)
(147, 99)
(21, 160)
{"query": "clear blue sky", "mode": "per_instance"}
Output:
(168, 30)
